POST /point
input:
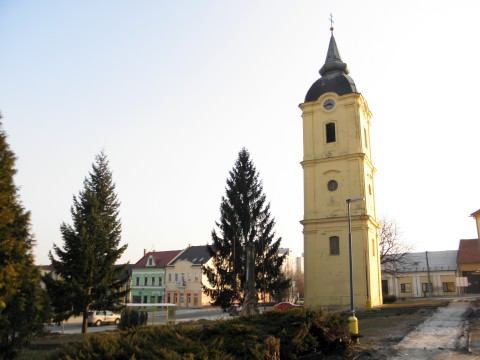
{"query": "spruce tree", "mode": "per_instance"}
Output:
(244, 217)
(87, 276)
(22, 300)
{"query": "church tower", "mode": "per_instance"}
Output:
(337, 166)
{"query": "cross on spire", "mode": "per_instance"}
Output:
(331, 22)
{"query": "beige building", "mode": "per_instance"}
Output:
(422, 274)
(299, 265)
(337, 166)
(288, 265)
(185, 278)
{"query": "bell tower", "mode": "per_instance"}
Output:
(337, 165)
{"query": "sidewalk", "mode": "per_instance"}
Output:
(194, 310)
(474, 332)
(442, 336)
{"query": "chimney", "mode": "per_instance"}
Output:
(144, 252)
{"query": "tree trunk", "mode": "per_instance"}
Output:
(250, 302)
(85, 319)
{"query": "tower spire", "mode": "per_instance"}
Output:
(333, 62)
(333, 74)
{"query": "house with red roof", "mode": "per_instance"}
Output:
(469, 259)
(148, 277)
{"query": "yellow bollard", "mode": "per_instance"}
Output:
(353, 327)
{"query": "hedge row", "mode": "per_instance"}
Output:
(274, 335)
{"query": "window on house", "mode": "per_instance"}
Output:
(136, 299)
(196, 276)
(427, 288)
(334, 245)
(176, 277)
(145, 299)
(330, 132)
(150, 261)
(405, 288)
(160, 281)
(188, 298)
(195, 299)
(152, 299)
(168, 297)
(145, 281)
(159, 299)
(137, 281)
(170, 277)
(448, 287)
(153, 281)
(385, 287)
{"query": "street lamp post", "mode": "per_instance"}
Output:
(352, 320)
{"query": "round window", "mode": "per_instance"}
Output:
(332, 185)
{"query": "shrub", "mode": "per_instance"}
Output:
(273, 335)
(132, 318)
(389, 299)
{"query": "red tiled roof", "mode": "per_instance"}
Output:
(469, 251)
(161, 258)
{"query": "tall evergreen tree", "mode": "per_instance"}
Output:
(22, 300)
(244, 217)
(88, 278)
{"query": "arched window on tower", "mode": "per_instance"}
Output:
(330, 132)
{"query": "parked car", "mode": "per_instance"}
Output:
(285, 306)
(100, 317)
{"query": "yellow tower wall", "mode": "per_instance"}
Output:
(347, 161)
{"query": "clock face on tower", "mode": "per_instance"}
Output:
(328, 104)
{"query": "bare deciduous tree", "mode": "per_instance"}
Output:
(392, 248)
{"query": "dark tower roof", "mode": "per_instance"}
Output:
(334, 76)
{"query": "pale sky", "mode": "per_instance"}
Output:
(172, 90)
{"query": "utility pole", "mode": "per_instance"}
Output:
(429, 285)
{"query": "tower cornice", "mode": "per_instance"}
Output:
(340, 220)
(362, 156)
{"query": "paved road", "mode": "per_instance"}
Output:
(74, 325)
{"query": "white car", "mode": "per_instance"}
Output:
(100, 317)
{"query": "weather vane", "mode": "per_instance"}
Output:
(331, 22)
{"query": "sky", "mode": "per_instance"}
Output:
(172, 91)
